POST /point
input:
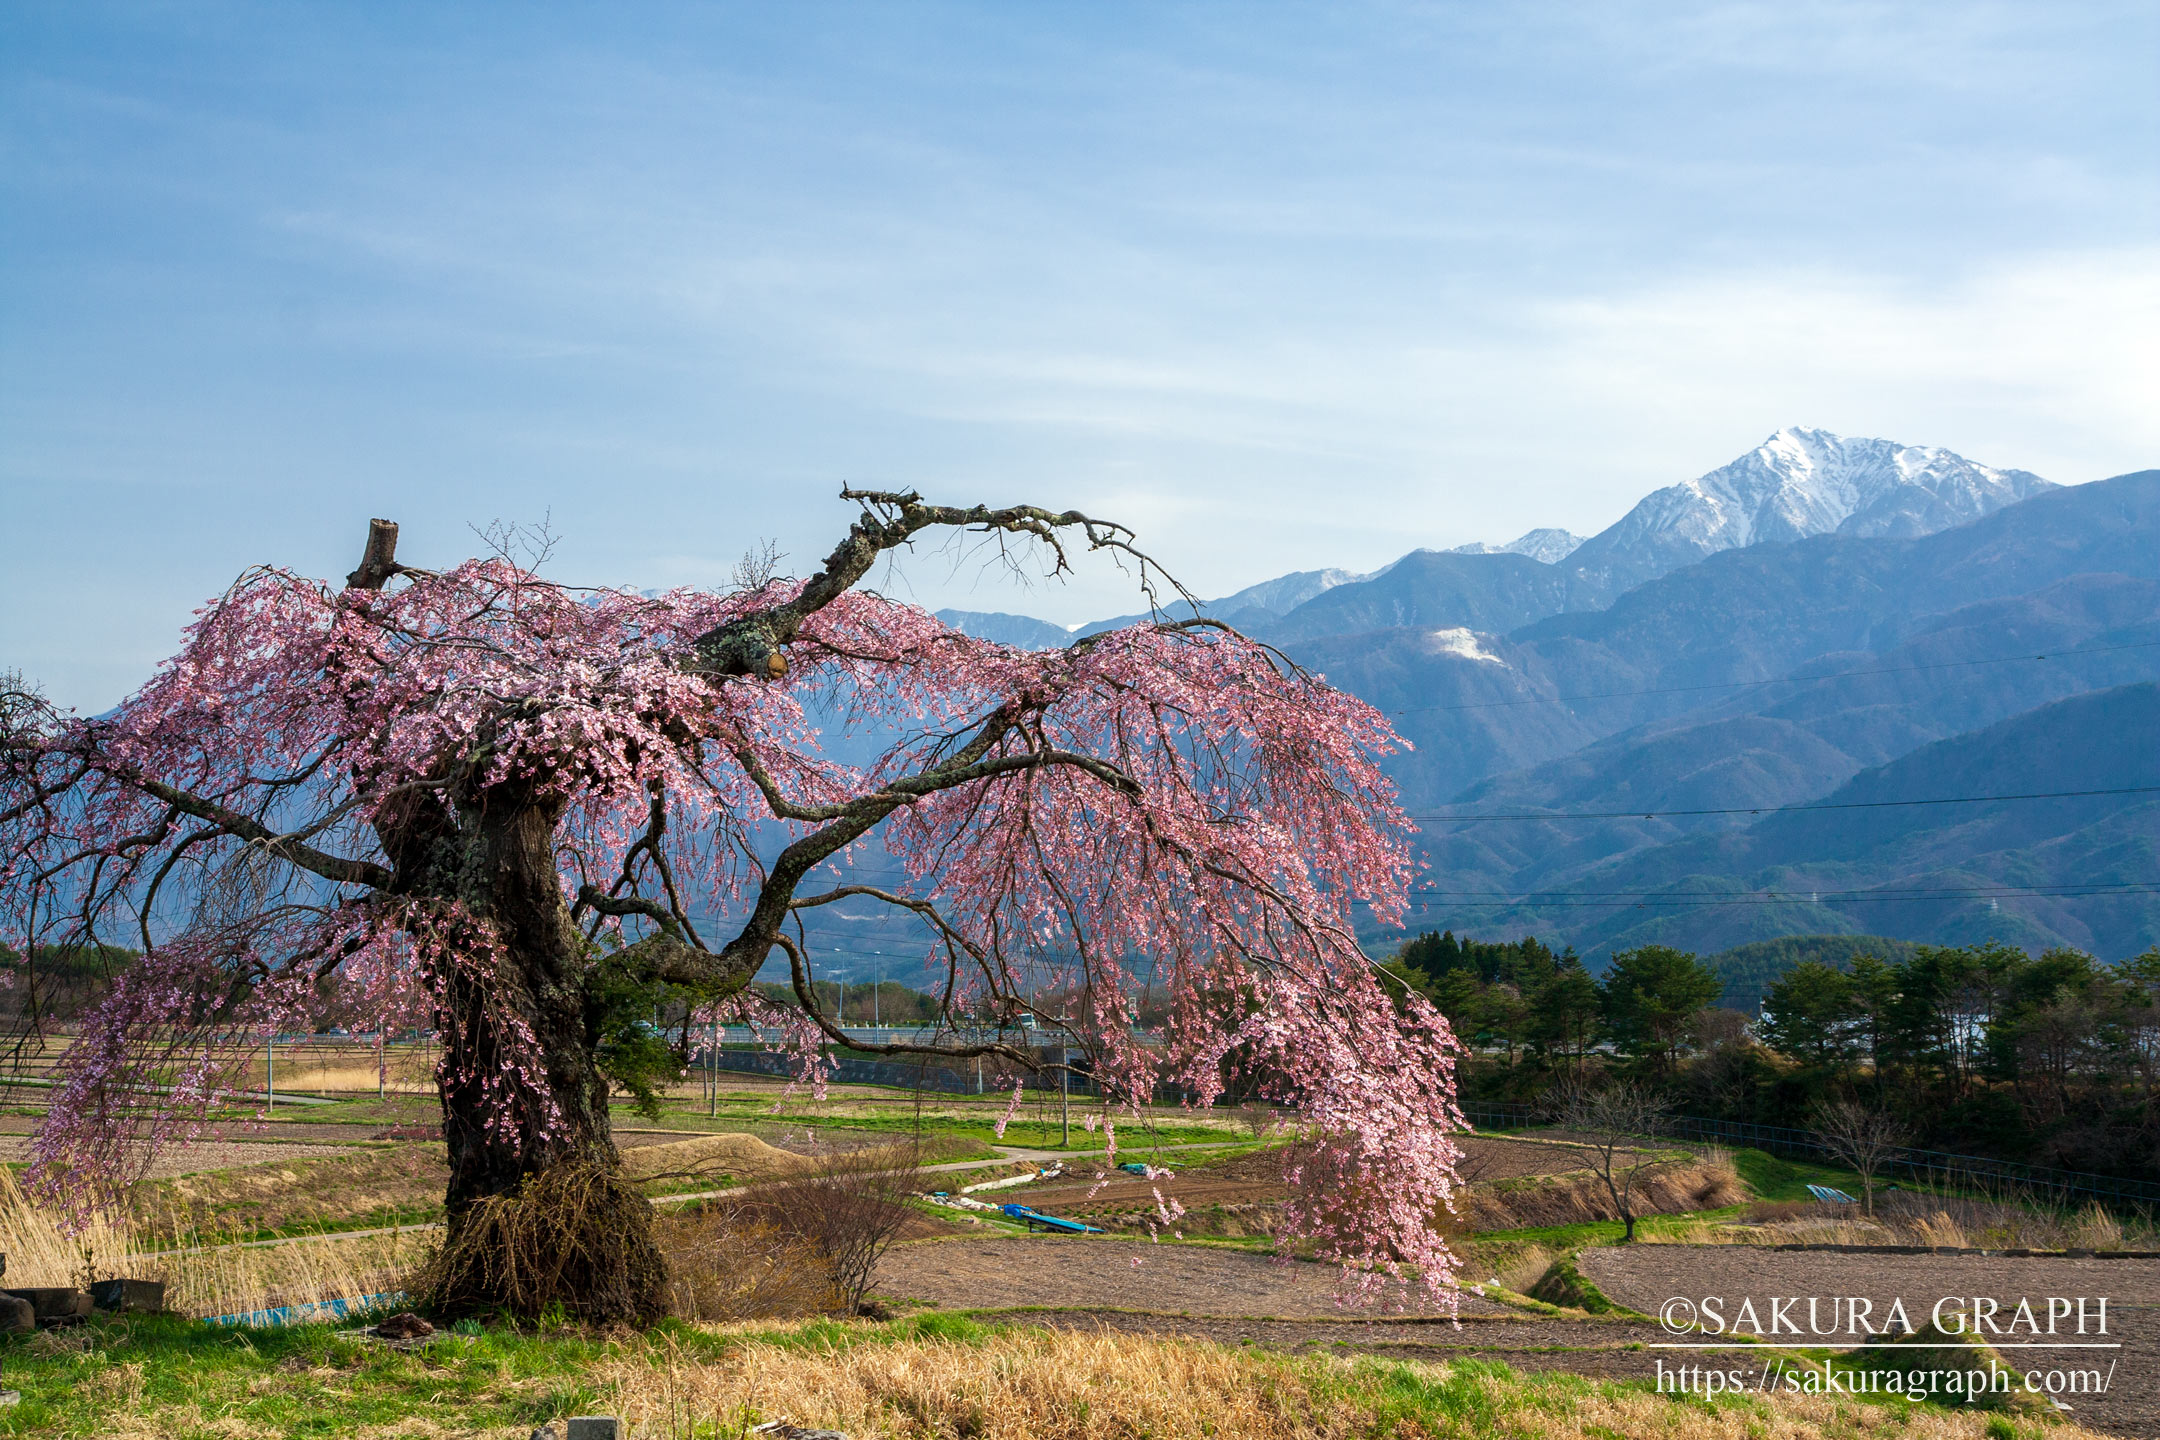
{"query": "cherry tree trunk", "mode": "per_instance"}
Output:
(537, 1214)
(489, 1076)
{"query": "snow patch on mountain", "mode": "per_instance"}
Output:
(1462, 644)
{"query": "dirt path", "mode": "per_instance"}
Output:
(1645, 1277)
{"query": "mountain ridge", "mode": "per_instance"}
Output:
(1799, 483)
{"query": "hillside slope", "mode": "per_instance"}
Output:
(1870, 857)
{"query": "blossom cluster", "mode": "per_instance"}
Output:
(1167, 806)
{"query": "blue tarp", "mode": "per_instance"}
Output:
(1831, 1196)
(1035, 1219)
(307, 1311)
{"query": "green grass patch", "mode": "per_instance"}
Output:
(1567, 1286)
(1773, 1177)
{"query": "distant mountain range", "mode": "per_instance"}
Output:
(1824, 620)
(1547, 546)
(1798, 483)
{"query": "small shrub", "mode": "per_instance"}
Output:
(725, 1264)
(846, 1212)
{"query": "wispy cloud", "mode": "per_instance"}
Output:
(1286, 287)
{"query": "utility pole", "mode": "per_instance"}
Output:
(712, 1071)
(1065, 1095)
(270, 1074)
(382, 1065)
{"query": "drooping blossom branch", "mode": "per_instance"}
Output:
(479, 796)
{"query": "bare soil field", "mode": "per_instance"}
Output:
(1257, 1178)
(1493, 1157)
(205, 1154)
(1235, 1297)
(1248, 1179)
(1644, 1277)
(1081, 1272)
(320, 1133)
(1238, 1196)
(1607, 1350)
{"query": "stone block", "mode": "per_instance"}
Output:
(134, 1297)
(581, 1427)
(54, 1303)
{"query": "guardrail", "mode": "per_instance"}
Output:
(1938, 1166)
(872, 1035)
(967, 1079)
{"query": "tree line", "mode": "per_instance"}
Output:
(2053, 1059)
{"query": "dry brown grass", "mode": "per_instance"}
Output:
(238, 1280)
(745, 1159)
(229, 1280)
(347, 1067)
(1036, 1385)
(349, 1079)
(575, 1238)
(40, 1252)
(386, 1180)
(1908, 1218)
(1575, 1198)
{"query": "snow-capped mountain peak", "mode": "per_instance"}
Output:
(1285, 592)
(1546, 545)
(1803, 482)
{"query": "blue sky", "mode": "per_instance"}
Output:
(1282, 286)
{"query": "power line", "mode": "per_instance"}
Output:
(1645, 899)
(1532, 897)
(1709, 903)
(1779, 680)
(1792, 809)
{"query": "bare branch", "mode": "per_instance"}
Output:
(752, 644)
(331, 867)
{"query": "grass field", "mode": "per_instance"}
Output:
(932, 1376)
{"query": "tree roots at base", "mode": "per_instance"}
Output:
(575, 1240)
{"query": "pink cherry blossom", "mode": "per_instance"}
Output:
(287, 817)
